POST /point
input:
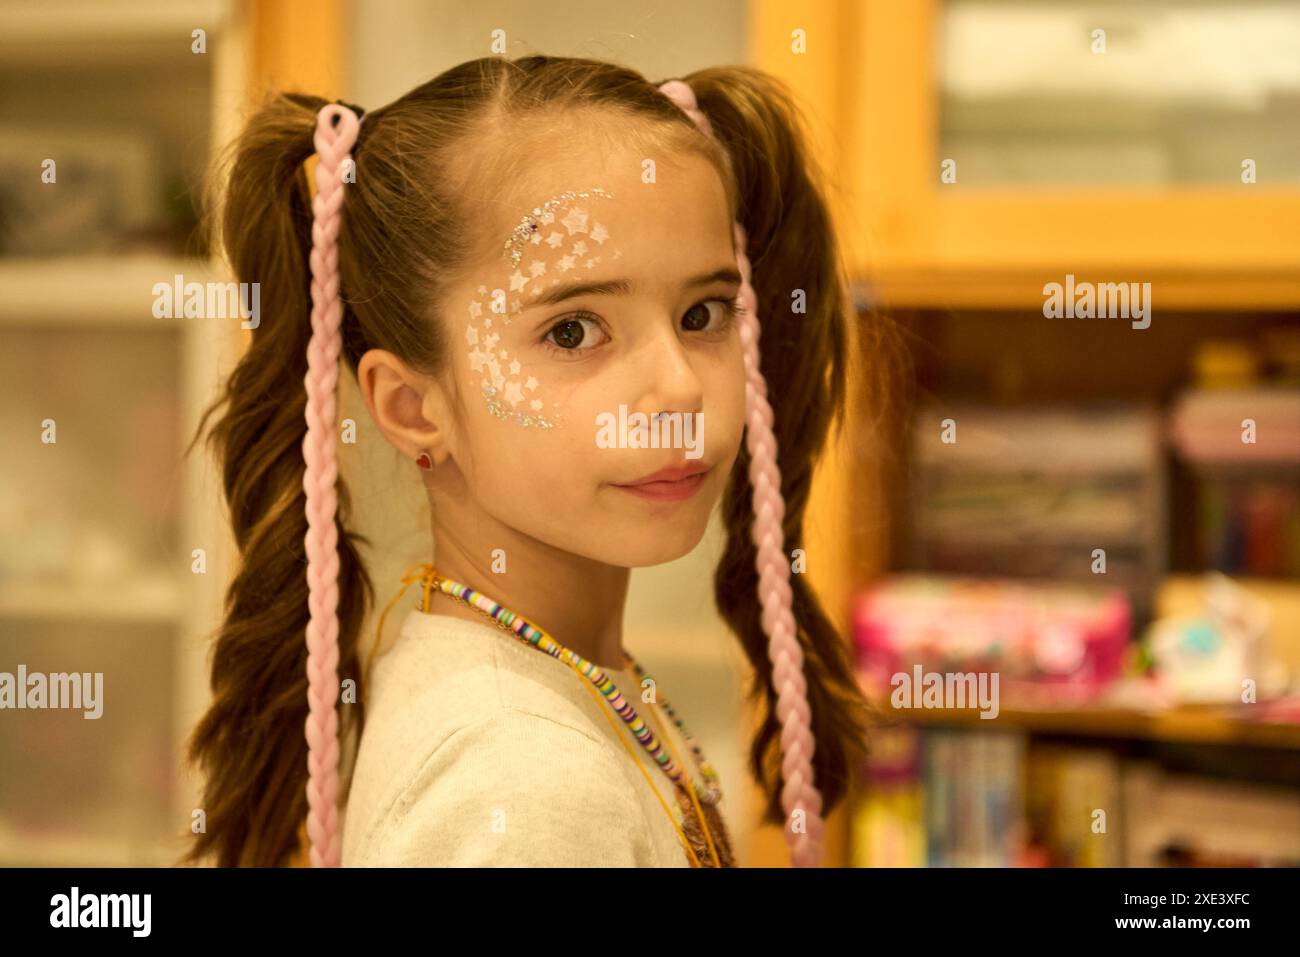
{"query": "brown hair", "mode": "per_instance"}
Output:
(392, 253)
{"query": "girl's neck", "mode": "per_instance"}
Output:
(577, 602)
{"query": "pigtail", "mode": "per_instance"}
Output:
(813, 732)
(251, 743)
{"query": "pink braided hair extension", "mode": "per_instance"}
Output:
(336, 131)
(774, 593)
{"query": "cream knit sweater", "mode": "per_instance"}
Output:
(479, 750)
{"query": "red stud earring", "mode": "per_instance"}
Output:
(424, 461)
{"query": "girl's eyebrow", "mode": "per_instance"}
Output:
(621, 287)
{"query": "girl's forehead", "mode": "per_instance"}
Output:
(639, 199)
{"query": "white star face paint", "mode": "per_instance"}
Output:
(556, 237)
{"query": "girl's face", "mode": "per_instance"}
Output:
(605, 301)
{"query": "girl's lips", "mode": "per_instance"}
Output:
(667, 491)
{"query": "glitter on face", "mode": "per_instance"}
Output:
(528, 230)
(508, 396)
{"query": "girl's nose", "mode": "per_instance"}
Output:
(670, 382)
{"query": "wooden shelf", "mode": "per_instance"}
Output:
(85, 32)
(94, 291)
(1004, 268)
(145, 599)
(1186, 724)
(992, 285)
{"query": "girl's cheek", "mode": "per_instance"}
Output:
(511, 391)
(562, 238)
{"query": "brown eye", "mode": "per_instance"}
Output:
(568, 335)
(696, 318)
(572, 335)
(700, 318)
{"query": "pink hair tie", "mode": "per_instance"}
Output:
(336, 132)
(774, 592)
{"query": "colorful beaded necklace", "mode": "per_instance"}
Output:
(697, 835)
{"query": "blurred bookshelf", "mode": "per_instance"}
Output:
(115, 551)
(967, 798)
(1095, 526)
(1179, 718)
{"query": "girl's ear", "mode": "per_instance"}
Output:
(409, 407)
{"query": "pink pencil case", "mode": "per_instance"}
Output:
(1048, 642)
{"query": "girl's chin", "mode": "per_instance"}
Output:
(649, 542)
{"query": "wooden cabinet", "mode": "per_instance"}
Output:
(872, 73)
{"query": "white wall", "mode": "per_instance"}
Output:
(399, 44)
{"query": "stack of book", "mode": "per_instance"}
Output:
(1242, 447)
(1073, 493)
(947, 798)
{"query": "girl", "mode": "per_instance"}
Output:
(536, 269)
